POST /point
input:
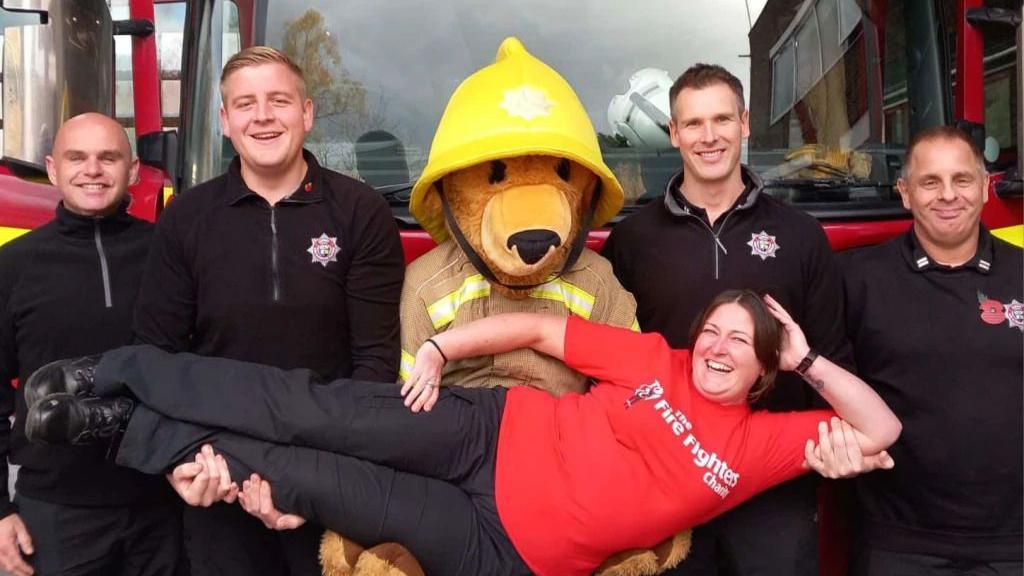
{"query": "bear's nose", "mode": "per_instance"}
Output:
(533, 244)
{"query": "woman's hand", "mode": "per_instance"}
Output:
(422, 387)
(257, 499)
(794, 343)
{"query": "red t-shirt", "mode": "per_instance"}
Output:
(639, 457)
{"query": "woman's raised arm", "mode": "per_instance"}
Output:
(875, 425)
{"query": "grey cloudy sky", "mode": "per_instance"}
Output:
(414, 54)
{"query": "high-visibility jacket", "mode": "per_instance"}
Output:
(443, 289)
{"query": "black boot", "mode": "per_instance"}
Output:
(65, 419)
(70, 376)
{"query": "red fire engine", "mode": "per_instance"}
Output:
(836, 89)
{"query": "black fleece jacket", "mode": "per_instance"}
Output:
(68, 289)
(943, 346)
(675, 262)
(310, 282)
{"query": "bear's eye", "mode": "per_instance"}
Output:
(563, 170)
(497, 172)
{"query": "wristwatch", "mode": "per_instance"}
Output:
(805, 364)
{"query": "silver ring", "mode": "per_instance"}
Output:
(432, 383)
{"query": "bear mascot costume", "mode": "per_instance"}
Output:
(514, 182)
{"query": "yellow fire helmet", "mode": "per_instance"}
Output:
(517, 106)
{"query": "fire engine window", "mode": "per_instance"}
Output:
(1001, 118)
(808, 56)
(827, 12)
(849, 17)
(832, 140)
(11, 19)
(1001, 89)
(1002, 92)
(783, 80)
(170, 24)
(124, 105)
(894, 80)
(381, 73)
(826, 82)
(218, 29)
(169, 21)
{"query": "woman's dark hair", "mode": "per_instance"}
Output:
(767, 334)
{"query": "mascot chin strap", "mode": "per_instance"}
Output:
(485, 270)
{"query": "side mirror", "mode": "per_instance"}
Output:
(1011, 186)
(159, 149)
(53, 71)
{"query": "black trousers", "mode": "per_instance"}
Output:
(773, 534)
(346, 454)
(140, 540)
(876, 562)
(224, 540)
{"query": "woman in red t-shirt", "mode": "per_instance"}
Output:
(488, 481)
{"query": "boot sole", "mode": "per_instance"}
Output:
(32, 384)
(31, 396)
(33, 422)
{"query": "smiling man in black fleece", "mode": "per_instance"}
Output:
(936, 320)
(67, 289)
(279, 261)
(717, 228)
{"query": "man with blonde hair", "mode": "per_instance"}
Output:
(279, 261)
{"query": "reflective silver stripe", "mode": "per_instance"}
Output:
(442, 312)
(984, 265)
(108, 300)
(576, 299)
(922, 262)
(405, 366)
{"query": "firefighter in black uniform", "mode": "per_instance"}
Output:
(936, 321)
(69, 288)
(279, 261)
(716, 229)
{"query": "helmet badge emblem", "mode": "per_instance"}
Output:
(324, 249)
(763, 245)
(527, 102)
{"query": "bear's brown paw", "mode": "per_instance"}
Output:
(338, 555)
(388, 559)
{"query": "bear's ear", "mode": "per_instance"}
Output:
(432, 199)
(431, 212)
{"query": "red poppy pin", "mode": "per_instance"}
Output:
(995, 312)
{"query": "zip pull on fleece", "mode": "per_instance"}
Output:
(104, 270)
